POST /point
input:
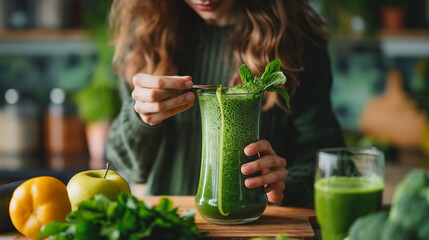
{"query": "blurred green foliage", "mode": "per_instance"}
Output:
(341, 15)
(99, 99)
(408, 217)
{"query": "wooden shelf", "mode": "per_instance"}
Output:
(401, 43)
(404, 33)
(405, 43)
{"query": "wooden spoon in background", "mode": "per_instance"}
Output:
(394, 116)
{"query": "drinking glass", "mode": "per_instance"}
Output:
(349, 184)
(230, 122)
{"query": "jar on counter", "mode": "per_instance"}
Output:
(50, 14)
(65, 142)
(20, 14)
(19, 132)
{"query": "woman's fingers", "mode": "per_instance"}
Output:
(272, 167)
(278, 187)
(156, 118)
(276, 195)
(272, 162)
(270, 187)
(153, 95)
(262, 147)
(162, 82)
(164, 105)
(269, 178)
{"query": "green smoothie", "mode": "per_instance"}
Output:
(229, 123)
(341, 200)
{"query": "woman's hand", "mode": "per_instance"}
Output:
(154, 96)
(273, 169)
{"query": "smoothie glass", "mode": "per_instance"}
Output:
(229, 123)
(349, 184)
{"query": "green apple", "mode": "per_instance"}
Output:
(87, 184)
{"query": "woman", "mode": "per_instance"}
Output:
(164, 47)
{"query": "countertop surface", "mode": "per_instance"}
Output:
(295, 222)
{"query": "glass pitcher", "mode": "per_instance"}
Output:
(230, 122)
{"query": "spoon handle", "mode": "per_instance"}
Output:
(205, 86)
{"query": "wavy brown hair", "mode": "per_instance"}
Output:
(148, 35)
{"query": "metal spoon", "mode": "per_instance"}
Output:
(205, 86)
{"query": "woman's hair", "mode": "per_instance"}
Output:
(148, 33)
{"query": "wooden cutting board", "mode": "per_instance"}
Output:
(295, 222)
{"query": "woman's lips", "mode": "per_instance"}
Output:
(208, 7)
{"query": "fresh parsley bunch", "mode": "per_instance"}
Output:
(270, 79)
(127, 218)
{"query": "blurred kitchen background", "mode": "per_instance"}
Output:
(58, 92)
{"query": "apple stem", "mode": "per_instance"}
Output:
(107, 169)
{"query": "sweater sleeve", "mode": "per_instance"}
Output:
(132, 144)
(313, 126)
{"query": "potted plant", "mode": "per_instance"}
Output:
(350, 17)
(98, 101)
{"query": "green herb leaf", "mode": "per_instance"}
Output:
(53, 228)
(129, 220)
(254, 86)
(86, 230)
(271, 68)
(245, 74)
(282, 93)
(271, 78)
(274, 79)
(188, 215)
(126, 218)
(258, 82)
(99, 204)
(165, 205)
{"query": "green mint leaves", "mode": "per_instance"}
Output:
(245, 74)
(126, 218)
(270, 79)
(271, 68)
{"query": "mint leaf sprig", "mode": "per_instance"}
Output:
(127, 218)
(269, 81)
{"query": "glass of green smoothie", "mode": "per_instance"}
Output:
(230, 122)
(349, 184)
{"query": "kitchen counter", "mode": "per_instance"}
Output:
(295, 222)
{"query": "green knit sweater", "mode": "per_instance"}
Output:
(167, 156)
